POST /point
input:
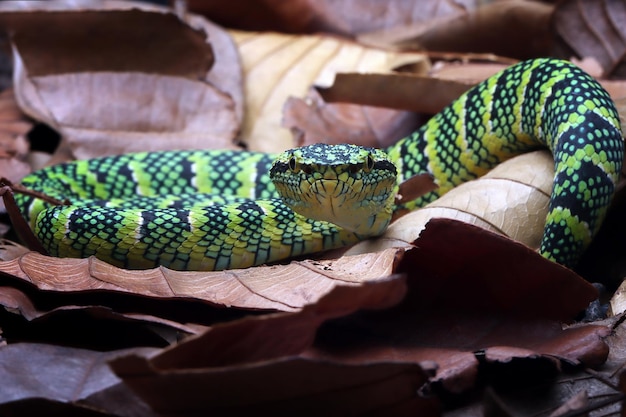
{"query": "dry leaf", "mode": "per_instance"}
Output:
(472, 293)
(13, 144)
(345, 17)
(18, 302)
(11, 250)
(109, 94)
(271, 336)
(453, 313)
(314, 121)
(399, 90)
(517, 29)
(593, 28)
(282, 387)
(43, 379)
(258, 352)
(280, 287)
(280, 66)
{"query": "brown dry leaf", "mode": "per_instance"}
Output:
(454, 313)
(259, 352)
(617, 304)
(108, 93)
(11, 250)
(517, 29)
(357, 108)
(344, 17)
(259, 338)
(40, 379)
(399, 90)
(595, 28)
(314, 121)
(472, 293)
(282, 387)
(279, 66)
(18, 302)
(511, 200)
(280, 287)
(13, 144)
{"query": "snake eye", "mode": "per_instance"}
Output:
(292, 163)
(369, 163)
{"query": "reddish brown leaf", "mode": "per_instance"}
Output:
(471, 290)
(260, 350)
(282, 387)
(466, 264)
(272, 336)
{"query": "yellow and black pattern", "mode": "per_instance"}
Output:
(219, 209)
(534, 104)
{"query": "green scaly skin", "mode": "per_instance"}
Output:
(219, 209)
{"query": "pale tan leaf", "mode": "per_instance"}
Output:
(511, 200)
(279, 66)
(280, 287)
(617, 304)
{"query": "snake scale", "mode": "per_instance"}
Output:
(219, 209)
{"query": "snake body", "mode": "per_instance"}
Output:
(216, 209)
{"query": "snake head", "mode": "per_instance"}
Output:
(351, 186)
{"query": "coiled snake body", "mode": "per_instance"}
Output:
(213, 210)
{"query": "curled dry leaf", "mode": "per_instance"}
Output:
(278, 66)
(280, 287)
(108, 93)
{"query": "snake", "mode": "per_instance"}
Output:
(228, 209)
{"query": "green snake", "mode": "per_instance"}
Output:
(222, 209)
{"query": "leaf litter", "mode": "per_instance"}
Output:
(462, 310)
